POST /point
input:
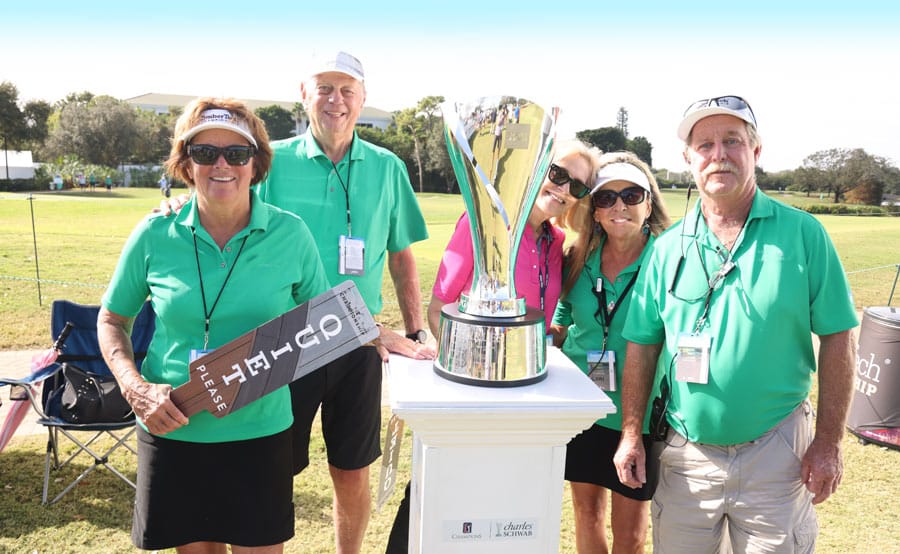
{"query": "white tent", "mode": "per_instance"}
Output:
(18, 164)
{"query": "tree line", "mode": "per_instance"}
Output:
(101, 135)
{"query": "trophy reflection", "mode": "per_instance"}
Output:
(500, 149)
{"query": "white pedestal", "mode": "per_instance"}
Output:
(488, 462)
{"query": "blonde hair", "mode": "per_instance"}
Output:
(591, 155)
(581, 218)
(178, 163)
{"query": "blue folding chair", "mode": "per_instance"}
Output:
(82, 349)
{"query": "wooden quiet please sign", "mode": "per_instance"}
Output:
(277, 352)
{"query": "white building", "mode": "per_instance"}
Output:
(16, 164)
(160, 103)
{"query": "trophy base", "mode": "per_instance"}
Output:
(491, 351)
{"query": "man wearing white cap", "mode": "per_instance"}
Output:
(724, 310)
(358, 201)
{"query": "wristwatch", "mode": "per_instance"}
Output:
(419, 336)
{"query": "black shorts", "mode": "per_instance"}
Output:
(238, 492)
(349, 392)
(589, 459)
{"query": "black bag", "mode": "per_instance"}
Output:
(92, 398)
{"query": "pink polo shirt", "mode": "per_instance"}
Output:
(455, 274)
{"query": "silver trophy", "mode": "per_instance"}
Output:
(500, 148)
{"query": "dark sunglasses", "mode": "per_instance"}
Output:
(607, 198)
(559, 177)
(734, 103)
(207, 154)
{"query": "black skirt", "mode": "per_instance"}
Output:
(589, 459)
(238, 492)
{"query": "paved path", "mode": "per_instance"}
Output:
(17, 364)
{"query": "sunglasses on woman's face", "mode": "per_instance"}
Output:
(632, 196)
(207, 154)
(559, 176)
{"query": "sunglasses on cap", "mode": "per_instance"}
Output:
(559, 176)
(207, 154)
(734, 103)
(632, 196)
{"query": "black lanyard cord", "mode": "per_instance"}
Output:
(207, 315)
(713, 282)
(546, 238)
(610, 313)
(346, 187)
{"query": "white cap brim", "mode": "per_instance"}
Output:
(621, 171)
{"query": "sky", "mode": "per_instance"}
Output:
(818, 75)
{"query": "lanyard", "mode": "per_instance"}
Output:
(346, 187)
(712, 282)
(609, 310)
(544, 266)
(207, 315)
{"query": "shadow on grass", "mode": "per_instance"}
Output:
(101, 499)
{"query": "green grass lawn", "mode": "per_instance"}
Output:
(79, 236)
(78, 239)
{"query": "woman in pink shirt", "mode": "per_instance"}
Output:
(538, 271)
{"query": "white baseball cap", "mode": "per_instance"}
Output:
(719, 105)
(621, 171)
(218, 118)
(341, 62)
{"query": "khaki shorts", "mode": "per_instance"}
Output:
(742, 498)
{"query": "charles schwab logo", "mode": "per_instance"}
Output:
(514, 529)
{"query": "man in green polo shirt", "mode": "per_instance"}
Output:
(357, 200)
(724, 309)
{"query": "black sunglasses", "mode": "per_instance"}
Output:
(559, 176)
(734, 103)
(607, 198)
(207, 154)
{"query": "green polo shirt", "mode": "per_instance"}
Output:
(786, 284)
(276, 267)
(578, 311)
(370, 181)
